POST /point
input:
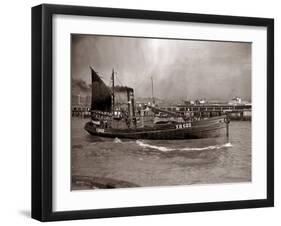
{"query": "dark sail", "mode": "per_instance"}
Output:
(101, 95)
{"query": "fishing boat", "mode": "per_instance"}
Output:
(125, 120)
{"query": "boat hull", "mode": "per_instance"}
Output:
(208, 128)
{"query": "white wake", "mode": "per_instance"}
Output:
(165, 149)
(117, 140)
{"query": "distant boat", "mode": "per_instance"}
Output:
(109, 119)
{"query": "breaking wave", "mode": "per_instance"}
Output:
(165, 149)
(117, 140)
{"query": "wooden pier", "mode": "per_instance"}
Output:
(81, 111)
(235, 112)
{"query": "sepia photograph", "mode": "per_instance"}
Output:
(159, 112)
(139, 112)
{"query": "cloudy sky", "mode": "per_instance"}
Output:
(180, 68)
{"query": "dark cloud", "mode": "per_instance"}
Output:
(122, 88)
(180, 68)
(80, 86)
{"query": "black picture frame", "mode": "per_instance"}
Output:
(42, 111)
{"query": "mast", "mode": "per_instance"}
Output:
(152, 94)
(113, 95)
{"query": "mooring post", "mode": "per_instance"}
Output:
(227, 130)
(227, 126)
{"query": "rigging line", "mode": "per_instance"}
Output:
(139, 83)
(105, 80)
(108, 81)
(119, 80)
(102, 77)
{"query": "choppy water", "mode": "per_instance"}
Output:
(163, 162)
